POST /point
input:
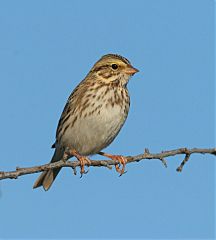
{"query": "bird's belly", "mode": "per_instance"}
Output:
(92, 133)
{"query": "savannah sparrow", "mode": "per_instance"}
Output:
(93, 115)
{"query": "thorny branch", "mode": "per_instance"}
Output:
(109, 163)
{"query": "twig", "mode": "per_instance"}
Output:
(187, 156)
(109, 163)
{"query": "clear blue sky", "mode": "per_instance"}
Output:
(47, 48)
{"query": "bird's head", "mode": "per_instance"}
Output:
(113, 68)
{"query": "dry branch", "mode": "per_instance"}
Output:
(109, 163)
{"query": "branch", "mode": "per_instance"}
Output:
(109, 163)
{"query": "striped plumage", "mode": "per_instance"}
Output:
(94, 113)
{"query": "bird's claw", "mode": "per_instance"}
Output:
(120, 161)
(83, 171)
(83, 161)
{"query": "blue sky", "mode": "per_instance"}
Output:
(47, 48)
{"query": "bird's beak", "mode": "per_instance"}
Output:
(131, 70)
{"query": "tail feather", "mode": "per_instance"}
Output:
(47, 177)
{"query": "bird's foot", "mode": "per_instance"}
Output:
(83, 161)
(120, 160)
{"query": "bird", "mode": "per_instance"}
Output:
(93, 115)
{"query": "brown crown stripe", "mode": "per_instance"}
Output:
(116, 56)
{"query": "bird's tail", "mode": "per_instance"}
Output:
(47, 177)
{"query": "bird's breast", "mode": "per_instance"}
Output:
(98, 124)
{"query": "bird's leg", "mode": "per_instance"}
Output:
(119, 159)
(82, 159)
(66, 155)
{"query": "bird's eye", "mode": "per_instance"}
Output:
(114, 66)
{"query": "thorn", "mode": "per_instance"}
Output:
(146, 151)
(179, 169)
(164, 162)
